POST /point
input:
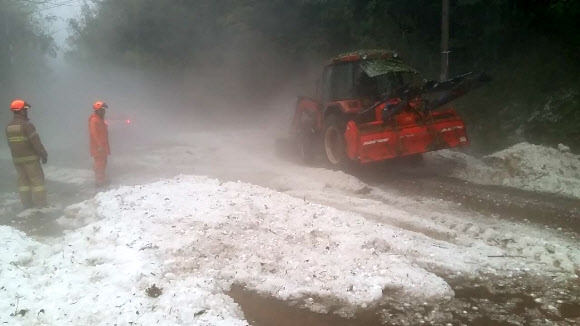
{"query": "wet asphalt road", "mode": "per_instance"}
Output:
(509, 203)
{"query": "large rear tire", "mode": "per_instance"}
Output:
(334, 142)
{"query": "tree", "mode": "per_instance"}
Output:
(24, 41)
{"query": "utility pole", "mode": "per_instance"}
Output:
(444, 40)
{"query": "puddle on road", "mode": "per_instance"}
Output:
(267, 311)
(472, 305)
(43, 225)
(570, 310)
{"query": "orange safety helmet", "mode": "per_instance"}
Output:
(100, 105)
(18, 105)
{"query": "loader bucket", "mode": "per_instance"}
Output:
(377, 141)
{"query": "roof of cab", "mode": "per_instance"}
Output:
(364, 55)
(374, 62)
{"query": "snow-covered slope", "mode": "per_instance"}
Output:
(524, 166)
(194, 237)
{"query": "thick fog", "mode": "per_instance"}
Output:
(249, 75)
(207, 191)
(160, 105)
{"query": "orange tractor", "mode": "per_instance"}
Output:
(371, 106)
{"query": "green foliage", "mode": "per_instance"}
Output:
(144, 32)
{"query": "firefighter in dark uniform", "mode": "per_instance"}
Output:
(27, 152)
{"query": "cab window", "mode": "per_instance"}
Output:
(338, 82)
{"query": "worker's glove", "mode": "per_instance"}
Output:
(100, 149)
(44, 159)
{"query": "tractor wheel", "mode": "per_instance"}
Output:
(334, 142)
(305, 148)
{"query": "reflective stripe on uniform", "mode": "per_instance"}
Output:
(14, 129)
(38, 188)
(24, 189)
(25, 159)
(14, 139)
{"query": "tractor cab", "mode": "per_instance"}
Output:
(363, 78)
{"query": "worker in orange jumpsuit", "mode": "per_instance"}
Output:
(27, 152)
(99, 141)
